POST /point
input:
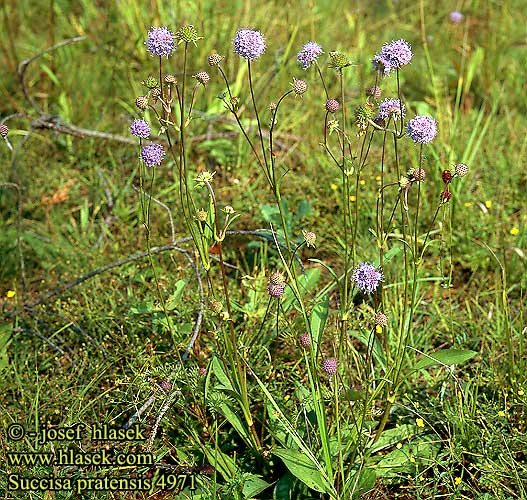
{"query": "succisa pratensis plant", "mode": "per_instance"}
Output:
(357, 278)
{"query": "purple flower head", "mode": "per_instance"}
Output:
(160, 41)
(367, 277)
(276, 290)
(422, 129)
(390, 108)
(393, 55)
(305, 340)
(330, 366)
(249, 44)
(456, 17)
(140, 128)
(153, 154)
(309, 54)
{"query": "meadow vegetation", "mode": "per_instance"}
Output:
(300, 269)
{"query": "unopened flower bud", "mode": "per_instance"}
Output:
(374, 92)
(141, 102)
(446, 176)
(201, 215)
(277, 278)
(202, 77)
(445, 196)
(4, 130)
(150, 82)
(419, 174)
(299, 86)
(214, 59)
(170, 79)
(216, 306)
(305, 340)
(461, 169)
(332, 105)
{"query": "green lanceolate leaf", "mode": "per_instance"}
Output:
(445, 357)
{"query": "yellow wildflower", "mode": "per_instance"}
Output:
(420, 422)
(10, 294)
(458, 480)
(520, 392)
(353, 198)
(362, 182)
(468, 204)
(333, 187)
(501, 413)
(488, 203)
(514, 231)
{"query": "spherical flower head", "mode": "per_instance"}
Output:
(456, 17)
(299, 86)
(374, 92)
(461, 169)
(367, 277)
(140, 128)
(445, 196)
(310, 238)
(276, 290)
(330, 366)
(419, 174)
(4, 130)
(202, 77)
(170, 79)
(446, 175)
(422, 129)
(214, 59)
(201, 215)
(391, 108)
(381, 319)
(165, 385)
(305, 340)
(153, 154)
(160, 42)
(216, 306)
(393, 55)
(309, 54)
(332, 105)
(249, 44)
(141, 102)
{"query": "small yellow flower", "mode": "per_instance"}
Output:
(353, 198)
(378, 178)
(362, 182)
(399, 446)
(458, 480)
(514, 231)
(468, 204)
(10, 294)
(520, 392)
(420, 422)
(501, 413)
(488, 203)
(378, 329)
(412, 459)
(333, 187)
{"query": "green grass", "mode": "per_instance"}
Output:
(99, 350)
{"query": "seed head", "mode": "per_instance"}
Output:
(214, 59)
(140, 128)
(4, 130)
(187, 34)
(305, 340)
(391, 108)
(277, 278)
(309, 237)
(374, 92)
(202, 77)
(446, 176)
(201, 215)
(309, 54)
(404, 182)
(367, 277)
(249, 44)
(170, 79)
(299, 86)
(419, 174)
(332, 105)
(330, 366)
(461, 169)
(155, 92)
(160, 42)
(153, 154)
(141, 102)
(381, 319)
(216, 306)
(445, 196)
(422, 129)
